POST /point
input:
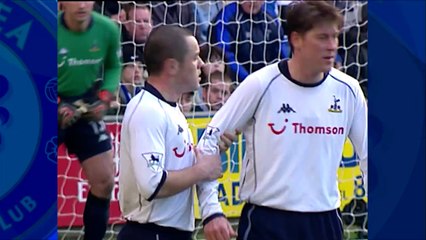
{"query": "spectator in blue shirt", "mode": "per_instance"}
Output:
(251, 36)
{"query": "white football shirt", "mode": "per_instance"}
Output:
(155, 139)
(294, 135)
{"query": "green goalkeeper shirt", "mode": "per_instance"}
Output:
(81, 56)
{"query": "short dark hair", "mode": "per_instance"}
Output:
(207, 52)
(302, 16)
(165, 42)
(130, 6)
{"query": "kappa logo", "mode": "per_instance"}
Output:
(285, 108)
(335, 107)
(154, 161)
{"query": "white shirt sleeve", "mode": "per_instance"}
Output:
(234, 114)
(146, 129)
(208, 199)
(358, 133)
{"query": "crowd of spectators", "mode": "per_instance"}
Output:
(236, 38)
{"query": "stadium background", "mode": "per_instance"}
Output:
(72, 188)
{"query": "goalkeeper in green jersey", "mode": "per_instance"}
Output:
(88, 47)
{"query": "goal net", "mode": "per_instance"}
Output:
(73, 187)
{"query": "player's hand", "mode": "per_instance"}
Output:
(98, 109)
(219, 229)
(68, 114)
(208, 166)
(226, 140)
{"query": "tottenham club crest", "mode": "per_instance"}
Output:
(335, 107)
(154, 161)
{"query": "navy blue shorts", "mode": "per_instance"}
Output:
(85, 138)
(258, 222)
(150, 231)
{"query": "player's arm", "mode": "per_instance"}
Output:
(216, 225)
(358, 132)
(207, 191)
(234, 115)
(147, 147)
(207, 168)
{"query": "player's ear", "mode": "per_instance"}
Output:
(171, 66)
(296, 39)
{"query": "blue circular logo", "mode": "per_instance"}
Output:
(27, 114)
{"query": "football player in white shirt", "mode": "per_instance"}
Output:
(295, 116)
(158, 163)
